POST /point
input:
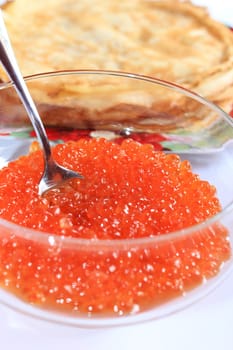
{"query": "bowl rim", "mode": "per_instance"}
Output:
(55, 239)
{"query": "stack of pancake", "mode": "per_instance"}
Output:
(169, 39)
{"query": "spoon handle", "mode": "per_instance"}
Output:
(10, 65)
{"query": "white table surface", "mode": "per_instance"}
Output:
(206, 325)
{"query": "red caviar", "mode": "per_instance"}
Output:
(129, 191)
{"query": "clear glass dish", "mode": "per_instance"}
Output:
(116, 106)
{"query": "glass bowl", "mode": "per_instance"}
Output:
(133, 279)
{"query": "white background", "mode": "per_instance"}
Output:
(206, 325)
(221, 10)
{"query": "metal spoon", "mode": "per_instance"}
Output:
(54, 174)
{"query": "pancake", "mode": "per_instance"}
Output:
(169, 39)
